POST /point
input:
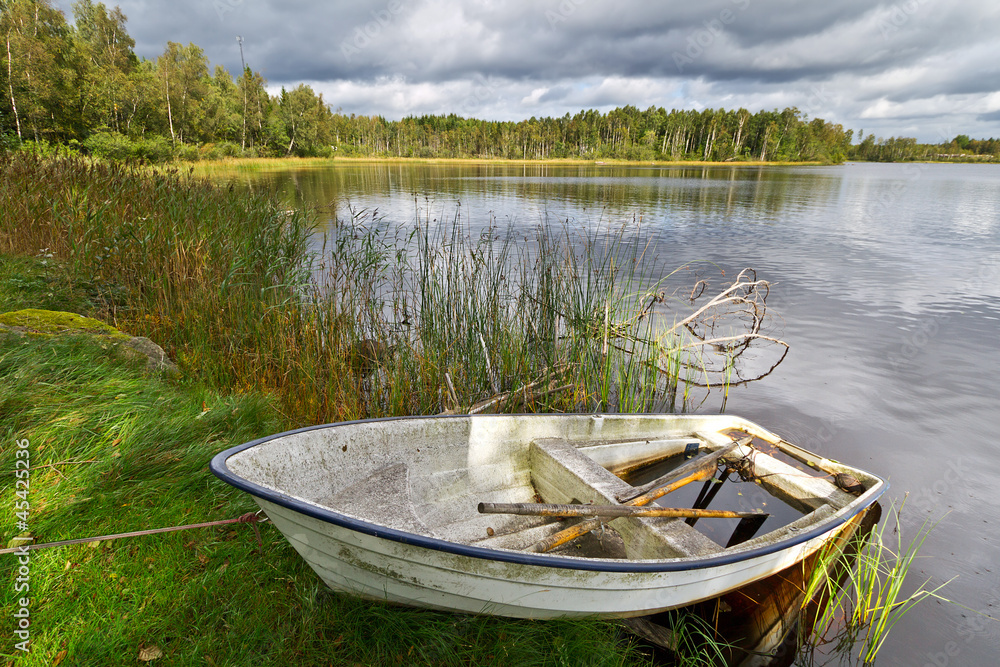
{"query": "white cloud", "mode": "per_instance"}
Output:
(532, 99)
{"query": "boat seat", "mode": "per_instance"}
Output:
(561, 473)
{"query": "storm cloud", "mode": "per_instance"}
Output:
(923, 68)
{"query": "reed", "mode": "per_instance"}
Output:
(491, 321)
(697, 643)
(859, 609)
(198, 268)
(370, 320)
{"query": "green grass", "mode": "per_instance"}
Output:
(132, 451)
(38, 282)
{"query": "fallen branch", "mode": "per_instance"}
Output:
(544, 386)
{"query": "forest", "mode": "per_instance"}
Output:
(79, 86)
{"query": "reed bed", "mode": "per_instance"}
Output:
(196, 268)
(468, 321)
(371, 320)
(858, 609)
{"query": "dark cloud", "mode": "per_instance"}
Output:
(876, 63)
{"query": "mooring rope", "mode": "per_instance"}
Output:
(251, 518)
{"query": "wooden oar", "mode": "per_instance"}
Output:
(801, 455)
(692, 471)
(547, 509)
(709, 462)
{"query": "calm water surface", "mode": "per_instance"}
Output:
(887, 281)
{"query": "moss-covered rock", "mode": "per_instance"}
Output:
(53, 322)
(49, 323)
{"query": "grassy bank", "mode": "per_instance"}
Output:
(113, 449)
(268, 339)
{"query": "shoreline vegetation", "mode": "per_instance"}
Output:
(207, 166)
(387, 321)
(78, 87)
(430, 318)
(212, 168)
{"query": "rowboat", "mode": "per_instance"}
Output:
(389, 509)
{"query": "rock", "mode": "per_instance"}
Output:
(32, 321)
(157, 360)
(49, 323)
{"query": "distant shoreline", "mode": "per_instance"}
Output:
(262, 163)
(204, 167)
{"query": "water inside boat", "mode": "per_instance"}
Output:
(725, 491)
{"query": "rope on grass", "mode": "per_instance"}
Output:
(251, 518)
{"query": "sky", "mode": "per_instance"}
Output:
(928, 69)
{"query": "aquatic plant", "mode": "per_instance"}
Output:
(865, 600)
(554, 320)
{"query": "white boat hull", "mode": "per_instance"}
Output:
(422, 555)
(381, 569)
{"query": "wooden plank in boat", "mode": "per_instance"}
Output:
(561, 473)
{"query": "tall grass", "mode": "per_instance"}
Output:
(381, 321)
(860, 608)
(491, 320)
(202, 270)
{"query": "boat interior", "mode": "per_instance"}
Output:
(434, 487)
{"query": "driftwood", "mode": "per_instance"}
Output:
(708, 344)
(609, 511)
(547, 385)
(693, 471)
(744, 304)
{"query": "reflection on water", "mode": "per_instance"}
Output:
(887, 278)
(531, 193)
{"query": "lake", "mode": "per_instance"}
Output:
(886, 278)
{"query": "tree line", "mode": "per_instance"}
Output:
(81, 85)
